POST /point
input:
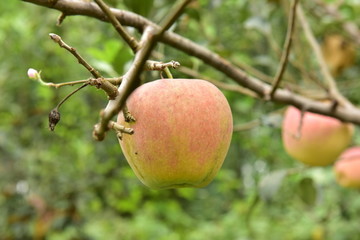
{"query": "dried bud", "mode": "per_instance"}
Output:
(54, 118)
(33, 74)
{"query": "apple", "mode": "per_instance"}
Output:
(315, 140)
(182, 132)
(347, 168)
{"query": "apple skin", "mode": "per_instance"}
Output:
(181, 135)
(347, 168)
(322, 138)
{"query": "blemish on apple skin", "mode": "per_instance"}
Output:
(136, 153)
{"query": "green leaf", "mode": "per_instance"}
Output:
(108, 53)
(307, 191)
(140, 6)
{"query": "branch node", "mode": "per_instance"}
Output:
(120, 129)
(96, 135)
(95, 82)
(60, 19)
(160, 66)
(56, 38)
(334, 105)
(127, 115)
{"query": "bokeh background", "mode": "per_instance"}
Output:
(64, 185)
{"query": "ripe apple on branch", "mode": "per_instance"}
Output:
(182, 132)
(314, 139)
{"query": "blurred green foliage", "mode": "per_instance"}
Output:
(64, 185)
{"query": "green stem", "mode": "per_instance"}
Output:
(168, 73)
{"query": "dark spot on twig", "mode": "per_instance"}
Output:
(334, 105)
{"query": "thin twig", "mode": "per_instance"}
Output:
(90, 81)
(222, 85)
(130, 40)
(296, 62)
(247, 126)
(252, 71)
(56, 38)
(54, 115)
(72, 83)
(286, 51)
(332, 87)
(298, 133)
(350, 27)
(127, 115)
(301, 122)
(60, 19)
(175, 13)
(69, 95)
(110, 89)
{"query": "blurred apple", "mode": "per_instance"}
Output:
(339, 53)
(182, 133)
(315, 140)
(347, 168)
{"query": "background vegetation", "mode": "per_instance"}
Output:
(64, 185)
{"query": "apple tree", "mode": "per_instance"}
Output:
(253, 103)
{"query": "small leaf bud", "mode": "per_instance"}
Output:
(33, 74)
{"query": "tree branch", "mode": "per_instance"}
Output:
(221, 85)
(173, 16)
(286, 51)
(129, 82)
(71, 7)
(148, 41)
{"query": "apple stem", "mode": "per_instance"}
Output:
(168, 73)
(301, 122)
(298, 134)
